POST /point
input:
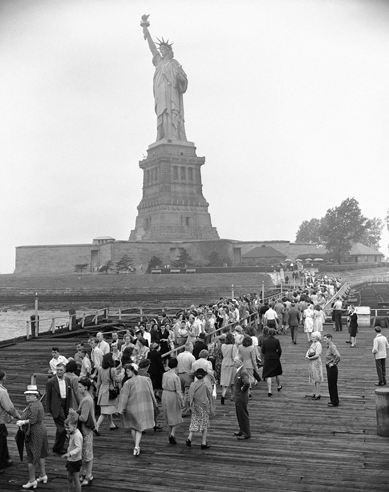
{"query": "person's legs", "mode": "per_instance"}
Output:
(204, 436)
(99, 422)
(268, 381)
(317, 388)
(70, 481)
(332, 378)
(42, 464)
(76, 482)
(383, 365)
(380, 375)
(4, 455)
(60, 435)
(31, 472)
(242, 415)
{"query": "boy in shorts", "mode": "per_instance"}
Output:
(73, 454)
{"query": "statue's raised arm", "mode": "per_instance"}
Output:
(146, 34)
(170, 83)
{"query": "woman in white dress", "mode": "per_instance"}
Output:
(318, 318)
(315, 368)
(308, 321)
(229, 351)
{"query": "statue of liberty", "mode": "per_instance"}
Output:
(169, 84)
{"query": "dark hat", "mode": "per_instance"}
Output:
(200, 373)
(144, 363)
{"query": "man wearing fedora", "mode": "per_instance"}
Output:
(7, 412)
(241, 398)
(58, 394)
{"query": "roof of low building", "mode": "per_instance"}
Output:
(362, 249)
(264, 251)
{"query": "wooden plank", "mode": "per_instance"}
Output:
(297, 444)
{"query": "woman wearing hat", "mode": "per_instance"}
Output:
(202, 407)
(315, 368)
(137, 404)
(36, 437)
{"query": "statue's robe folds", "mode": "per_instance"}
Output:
(170, 83)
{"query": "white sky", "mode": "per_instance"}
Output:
(288, 100)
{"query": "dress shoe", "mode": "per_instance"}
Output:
(87, 481)
(188, 442)
(222, 400)
(30, 485)
(279, 387)
(243, 437)
(379, 384)
(114, 428)
(236, 434)
(314, 397)
(172, 440)
(205, 446)
(270, 394)
(330, 404)
(42, 479)
(136, 451)
(96, 432)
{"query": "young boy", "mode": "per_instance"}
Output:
(74, 454)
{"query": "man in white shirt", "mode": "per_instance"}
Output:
(184, 368)
(96, 355)
(102, 344)
(270, 318)
(380, 346)
(56, 359)
(337, 314)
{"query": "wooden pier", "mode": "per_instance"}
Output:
(297, 444)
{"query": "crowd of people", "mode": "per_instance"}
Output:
(138, 375)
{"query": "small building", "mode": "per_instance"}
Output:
(263, 255)
(360, 253)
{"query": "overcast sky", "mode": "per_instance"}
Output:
(288, 100)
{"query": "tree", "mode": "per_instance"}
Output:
(81, 267)
(215, 260)
(341, 226)
(309, 231)
(372, 235)
(183, 259)
(154, 262)
(125, 264)
(106, 267)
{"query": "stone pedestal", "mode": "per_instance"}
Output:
(173, 207)
(382, 411)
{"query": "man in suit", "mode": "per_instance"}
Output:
(294, 321)
(241, 398)
(7, 411)
(58, 394)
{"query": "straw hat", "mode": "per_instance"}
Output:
(32, 389)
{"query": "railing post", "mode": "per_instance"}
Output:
(141, 313)
(232, 291)
(120, 314)
(70, 322)
(36, 304)
(83, 320)
(27, 330)
(52, 327)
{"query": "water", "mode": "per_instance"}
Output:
(13, 323)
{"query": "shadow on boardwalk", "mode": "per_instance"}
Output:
(297, 444)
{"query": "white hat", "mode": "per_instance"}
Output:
(32, 389)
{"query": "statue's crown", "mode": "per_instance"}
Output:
(162, 42)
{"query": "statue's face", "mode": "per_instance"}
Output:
(165, 51)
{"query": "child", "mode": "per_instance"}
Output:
(74, 454)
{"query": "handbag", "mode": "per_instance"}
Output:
(115, 390)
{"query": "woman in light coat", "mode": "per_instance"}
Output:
(136, 404)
